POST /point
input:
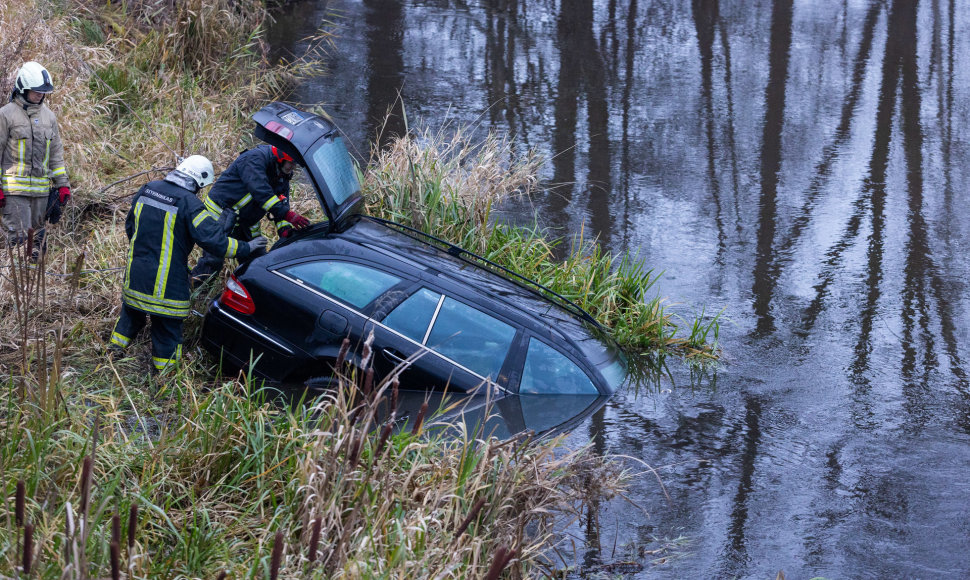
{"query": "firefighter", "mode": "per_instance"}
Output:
(34, 183)
(166, 220)
(257, 183)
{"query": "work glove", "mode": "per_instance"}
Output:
(285, 231)
(53, 214)
(299, 222)
(3, 200)
(256, 244)
(63, 194)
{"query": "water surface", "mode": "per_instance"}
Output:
(801, 165)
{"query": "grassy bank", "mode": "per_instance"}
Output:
(105, 471)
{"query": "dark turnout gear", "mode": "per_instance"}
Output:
(166, 220)
(166, 334)
(254, 185)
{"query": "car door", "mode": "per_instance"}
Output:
(336, 297)
(442, 343)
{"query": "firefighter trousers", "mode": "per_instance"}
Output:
(166, 334)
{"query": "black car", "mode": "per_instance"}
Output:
(440, 316)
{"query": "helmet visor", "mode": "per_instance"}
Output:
(46, 87)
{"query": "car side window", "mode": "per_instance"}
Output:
(353, 283)
(471, 338)
(413, 316)
(549, 372)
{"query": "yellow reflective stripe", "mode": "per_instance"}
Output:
(201, 218)
(120, 339)
(22, 154)
(242, 202)
(131, 246)
(254, 230)
(162, 363)
(166, 302)
(212, 206)
(270, 203)
(283, 224)
(138, 300)
(24, 183)
(26, 188)
(47, 155)
(165, 256)
(59, 171)
(25, 179)
(231, 249)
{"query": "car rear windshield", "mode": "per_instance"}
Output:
(334, 163)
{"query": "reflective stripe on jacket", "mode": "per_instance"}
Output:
(253, 185)
(163, 225)
(32, 158)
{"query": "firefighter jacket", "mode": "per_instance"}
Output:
(163, 225)
(32, 160)
(252, 186)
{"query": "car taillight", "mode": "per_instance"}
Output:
(236, 297)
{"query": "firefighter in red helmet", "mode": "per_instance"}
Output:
(256, 184)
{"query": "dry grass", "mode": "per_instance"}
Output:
(105, 472)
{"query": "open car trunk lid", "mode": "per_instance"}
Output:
(315, 143)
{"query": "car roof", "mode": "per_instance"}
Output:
(376, 241)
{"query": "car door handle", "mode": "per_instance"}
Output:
(393, 355)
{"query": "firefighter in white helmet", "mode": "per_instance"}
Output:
(33, 183)
(165, 222)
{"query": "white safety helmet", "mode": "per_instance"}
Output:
(33, 77)
(198, 168)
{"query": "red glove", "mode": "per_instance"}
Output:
(63, 194)
(284, 231)
(298, 221)
(3, 200)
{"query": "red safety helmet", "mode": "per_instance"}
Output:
(280, 155)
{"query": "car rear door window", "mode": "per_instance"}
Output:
(471, 338)
(413, 316)
(355, 284)
(549, 372)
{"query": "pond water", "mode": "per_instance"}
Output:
(794, 163)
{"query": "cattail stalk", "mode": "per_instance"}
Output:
(420, 419)
(28, 546)
(277, 559)
(315, 539)
(470, 517)
(115, 561)
(502, 558)
(382, 441)
(342, 354)
(132, 524)
(85, 485)
(20, 502)
(116, 529)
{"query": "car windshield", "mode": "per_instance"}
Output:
(333, 162)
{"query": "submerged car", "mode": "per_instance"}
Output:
(440, 316)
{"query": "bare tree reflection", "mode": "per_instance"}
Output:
(581, 72)
(705, 21)
(765, 277)
(385, 68)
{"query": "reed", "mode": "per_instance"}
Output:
(447, 184)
